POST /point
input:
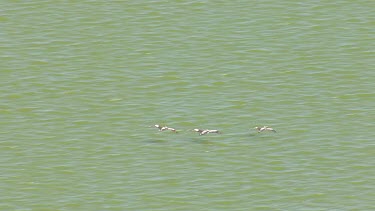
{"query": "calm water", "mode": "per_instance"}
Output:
(81, 84)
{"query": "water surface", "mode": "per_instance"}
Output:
(81, 84)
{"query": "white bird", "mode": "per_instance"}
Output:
(264, 128)
(204, 132)
(162, 128)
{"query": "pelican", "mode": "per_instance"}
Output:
(204, 132)
(162, 128)
(264, 128)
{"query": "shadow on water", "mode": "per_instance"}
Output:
(203, 141)
(156, 141)
(209, 139)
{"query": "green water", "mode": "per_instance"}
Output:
(81, 84)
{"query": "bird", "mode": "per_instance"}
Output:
(264, 128)
(163, 128)
(206, 131)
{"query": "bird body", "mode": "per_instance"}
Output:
(163, 128)
(265, 128)
(206, 131)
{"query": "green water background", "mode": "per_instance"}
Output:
(82, 82)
